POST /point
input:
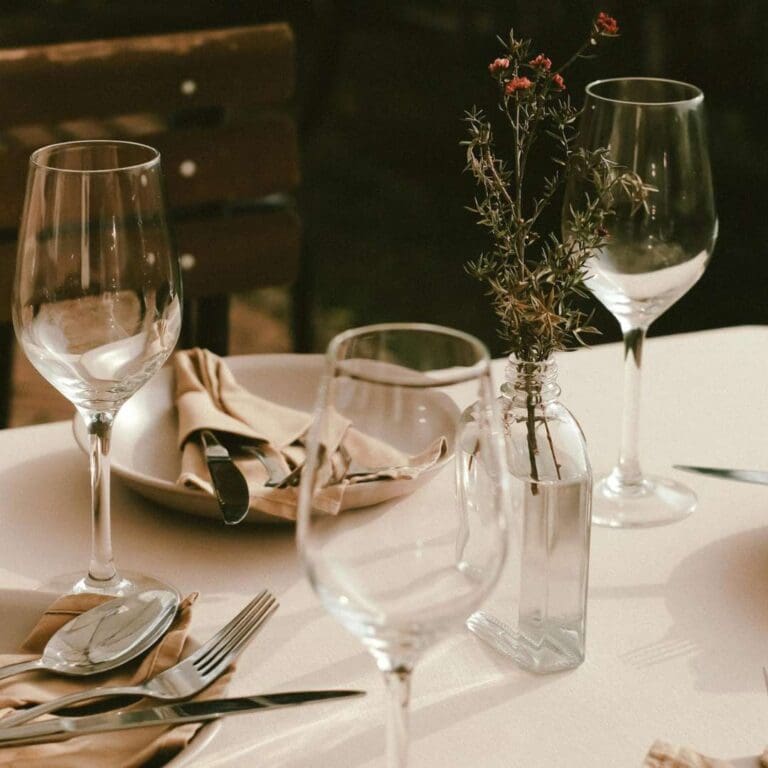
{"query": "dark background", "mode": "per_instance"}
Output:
(381, 93)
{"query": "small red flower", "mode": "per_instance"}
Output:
(517, 84)
(557, 79)
(606, 25)
(541, 62)
(499, 65)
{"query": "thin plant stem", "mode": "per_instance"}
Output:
(551, 445)
(575, 56)
(531, 435)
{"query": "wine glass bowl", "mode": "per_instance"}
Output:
(402, 573)
(652, 255)
(96, 302)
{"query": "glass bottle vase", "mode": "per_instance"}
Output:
(537, 614)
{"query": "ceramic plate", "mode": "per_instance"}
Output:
(146, 457)
(21, 608)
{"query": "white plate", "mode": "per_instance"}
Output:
(21, 608)
(145, 454)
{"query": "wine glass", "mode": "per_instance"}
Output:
(401, 573)
(653, 255)
(96, 302)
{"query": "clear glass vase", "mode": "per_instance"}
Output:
(537, 614)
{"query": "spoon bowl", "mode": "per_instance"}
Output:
(110, 634)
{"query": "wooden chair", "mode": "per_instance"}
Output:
(217, 104)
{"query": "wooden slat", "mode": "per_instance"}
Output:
(230, 254)
(238, 252)
(242, 162)
(160, 73)
(201, 165)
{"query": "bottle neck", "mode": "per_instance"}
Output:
(531, 383)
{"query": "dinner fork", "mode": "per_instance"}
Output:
(184, 679)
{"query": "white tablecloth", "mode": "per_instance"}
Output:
(678, 616)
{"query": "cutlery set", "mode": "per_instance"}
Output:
(182, 681)
(280, 474)
(229, 484)
(231, 488)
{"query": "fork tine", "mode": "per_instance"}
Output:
(214, 642)
(213, 667)
(244, 620)
(225, 652)
(253, 631)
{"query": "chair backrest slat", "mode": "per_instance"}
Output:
(236, 68)
(215, 253)
(262, 244)
(205, 165)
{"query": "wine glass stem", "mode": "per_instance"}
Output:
(628, 470)
(398, 682)
(102, 567)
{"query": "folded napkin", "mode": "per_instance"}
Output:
(208, 397)
(665, 755)
(121, 749)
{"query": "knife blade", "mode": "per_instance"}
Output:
(63, 728)
(742, 475)
(229, 485)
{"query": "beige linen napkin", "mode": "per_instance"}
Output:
(665, 755)
(120, 749)
(207, 396)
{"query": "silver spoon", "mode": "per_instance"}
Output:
(106, 636)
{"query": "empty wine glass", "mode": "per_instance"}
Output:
(653, 255)
(96, 301)
(406, 565)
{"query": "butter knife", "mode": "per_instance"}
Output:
(62, 728)
(229, 485)
(743, 475)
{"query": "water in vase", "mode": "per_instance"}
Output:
(537, 613)
(553, 574)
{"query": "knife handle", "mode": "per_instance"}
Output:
(23, 715)
(46, 730)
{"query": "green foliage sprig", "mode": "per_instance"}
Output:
(536, 279)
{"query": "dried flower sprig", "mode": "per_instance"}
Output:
(536, 279)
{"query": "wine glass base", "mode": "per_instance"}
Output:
(122, 584)
(654, 501)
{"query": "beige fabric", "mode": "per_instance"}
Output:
(665, 755)
(123, 749)
(207, 396)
